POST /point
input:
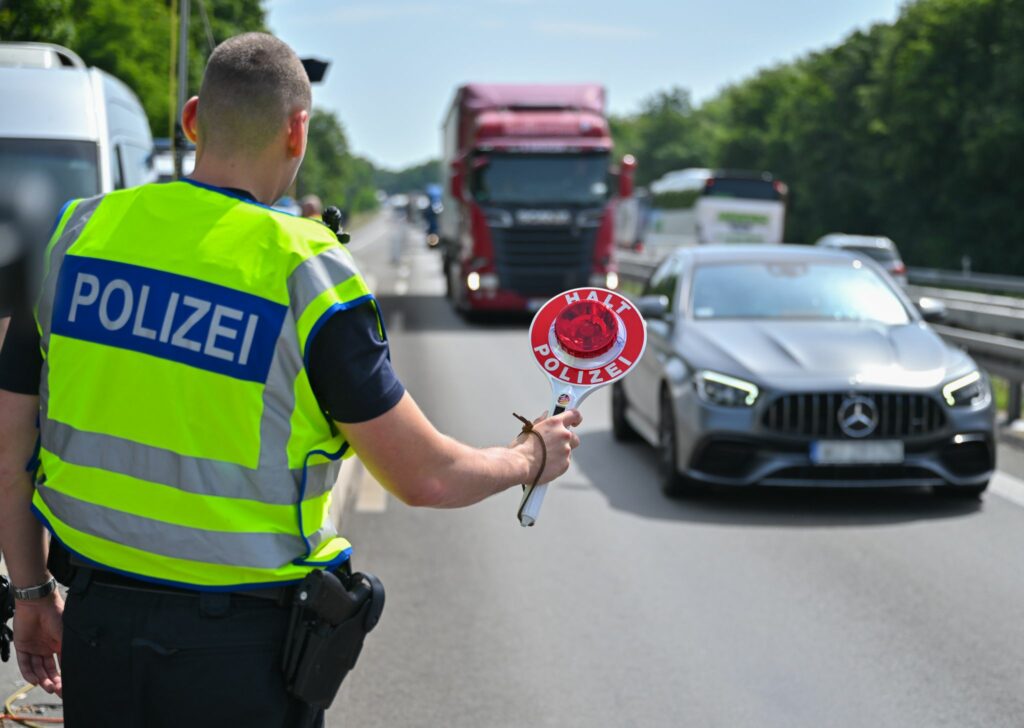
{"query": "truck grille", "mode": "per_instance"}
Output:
(543, 261)
(817, 415)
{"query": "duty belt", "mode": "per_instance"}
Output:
(85, 574)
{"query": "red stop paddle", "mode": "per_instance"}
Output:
(582, 339)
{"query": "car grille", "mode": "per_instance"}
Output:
(817, 415)
(543, 261)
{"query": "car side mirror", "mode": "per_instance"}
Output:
(653, 307)
(932, 309)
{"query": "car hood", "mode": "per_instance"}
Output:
(826, 353)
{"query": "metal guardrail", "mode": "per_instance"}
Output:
(989, 327)
(970, 281)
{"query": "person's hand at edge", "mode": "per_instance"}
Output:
(38, 626)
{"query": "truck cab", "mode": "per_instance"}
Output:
(530, 195)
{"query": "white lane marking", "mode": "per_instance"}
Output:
(370, 497)
(1007, 486)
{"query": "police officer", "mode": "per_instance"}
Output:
(198, 364)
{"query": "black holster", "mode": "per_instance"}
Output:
(331, 615)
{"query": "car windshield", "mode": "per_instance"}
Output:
(829, 291)
(532, 179)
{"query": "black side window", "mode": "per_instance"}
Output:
(117, 167)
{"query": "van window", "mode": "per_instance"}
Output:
(56, 170)
(748, 189)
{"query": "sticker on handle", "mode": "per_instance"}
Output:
(582, 339)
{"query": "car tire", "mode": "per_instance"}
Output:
(964, 492)
(673, 484)
(622, 431)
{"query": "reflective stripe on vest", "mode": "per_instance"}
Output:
(180, 438)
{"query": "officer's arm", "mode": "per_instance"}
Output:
(22, 538)
(423, 467)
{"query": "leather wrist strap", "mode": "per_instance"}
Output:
(35, 592)
(528, 430)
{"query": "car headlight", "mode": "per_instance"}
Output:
(968, 391)
(725, 391)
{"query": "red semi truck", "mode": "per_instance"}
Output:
(530, 195)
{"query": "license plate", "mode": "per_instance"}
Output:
(842, 452)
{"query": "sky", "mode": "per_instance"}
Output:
(395, 64)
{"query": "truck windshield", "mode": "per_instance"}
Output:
(43, 174)
(534, 179)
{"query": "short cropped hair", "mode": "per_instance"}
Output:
(253, 82)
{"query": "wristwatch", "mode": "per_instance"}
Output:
(35, 592)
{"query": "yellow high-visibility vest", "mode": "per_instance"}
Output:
(180, 440)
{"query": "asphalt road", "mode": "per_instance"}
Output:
(623, 608)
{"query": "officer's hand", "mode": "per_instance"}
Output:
(38, 625)
(559, 441)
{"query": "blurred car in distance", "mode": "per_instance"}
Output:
(880, 249)
(795, 365)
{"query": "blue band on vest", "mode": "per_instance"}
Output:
(166, 315)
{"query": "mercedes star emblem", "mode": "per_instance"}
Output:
(858, 416)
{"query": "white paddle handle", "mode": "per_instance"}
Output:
(529, 508)
(533, 496)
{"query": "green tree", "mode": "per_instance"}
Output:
(131, 39)
(329, 169)
(39, 20)
(414, 178)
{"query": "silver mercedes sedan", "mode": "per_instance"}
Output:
(800, 366)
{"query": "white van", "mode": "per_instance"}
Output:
(65, 131)
(699, 206)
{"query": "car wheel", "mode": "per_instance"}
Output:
(966, 492)
(672, 482)
(621, 429)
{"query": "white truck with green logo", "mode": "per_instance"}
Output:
(703, 206)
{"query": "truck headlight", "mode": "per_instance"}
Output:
(971, 390)
(725, 391)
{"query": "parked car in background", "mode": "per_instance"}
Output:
(65, 131)
(880, 249)
(795, 366)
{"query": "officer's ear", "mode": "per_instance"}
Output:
(298, 124)
(189, 119)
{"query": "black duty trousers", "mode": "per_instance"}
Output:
(149, 659)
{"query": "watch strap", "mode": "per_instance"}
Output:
(35, 592)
